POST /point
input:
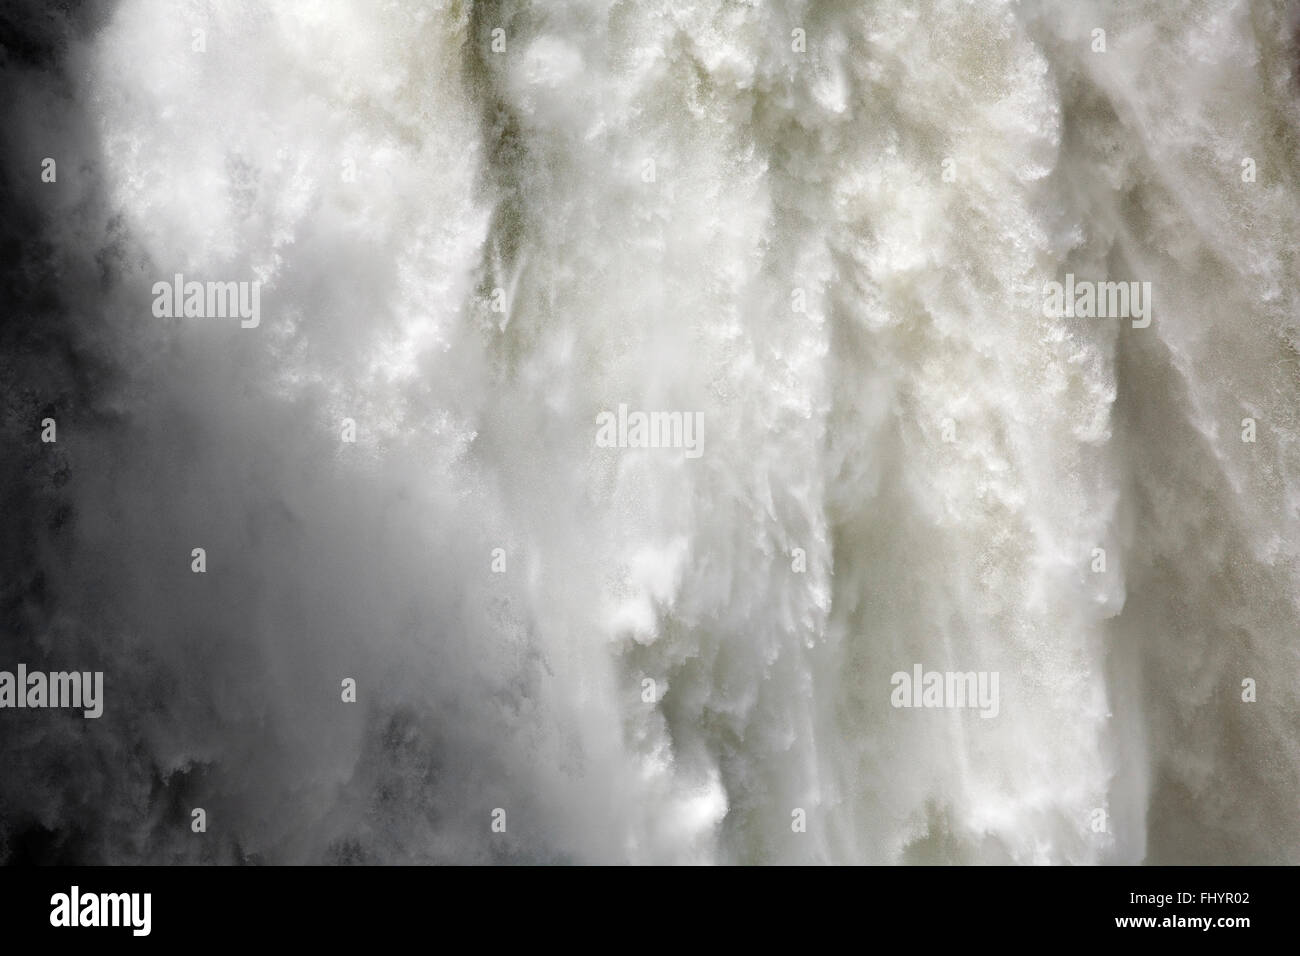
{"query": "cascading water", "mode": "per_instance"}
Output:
(822, 227)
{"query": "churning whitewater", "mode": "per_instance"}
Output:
(832, 240)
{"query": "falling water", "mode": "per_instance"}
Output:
(825, 228)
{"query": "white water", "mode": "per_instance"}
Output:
(774, 170)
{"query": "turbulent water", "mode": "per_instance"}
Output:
(823, 226)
